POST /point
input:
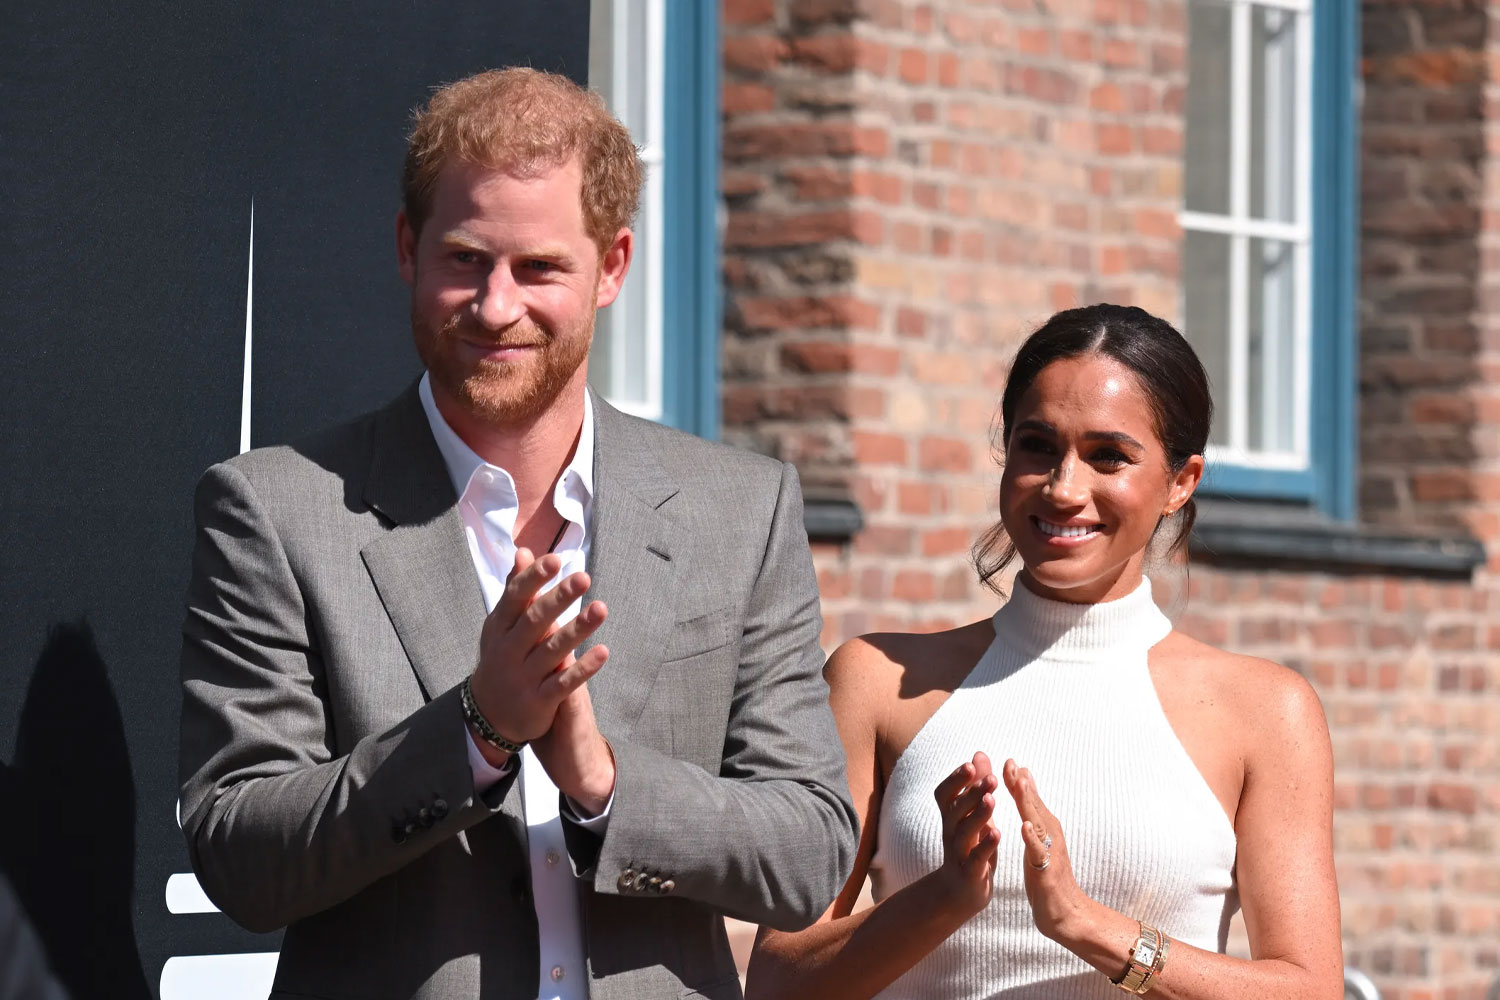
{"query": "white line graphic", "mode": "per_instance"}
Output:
(249, 339)
(185, 895)
(223, 977)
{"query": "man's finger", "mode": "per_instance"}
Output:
(526, 578)
(558, 644)
(564, 682)
(539, 619)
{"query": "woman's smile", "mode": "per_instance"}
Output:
(1067, 533)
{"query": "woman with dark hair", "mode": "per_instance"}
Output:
(1152, 784)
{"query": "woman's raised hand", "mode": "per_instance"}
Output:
(1051, 889)
(967, 801)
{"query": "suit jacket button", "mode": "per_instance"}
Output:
(667, 886)
(425, 815)
(439, 808)
(641, 881)
(398, 833)
(627, 880)
(655, 884)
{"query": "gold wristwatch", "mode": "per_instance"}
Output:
(1147, 957)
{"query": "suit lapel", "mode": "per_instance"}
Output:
(421, 567)
(630, 562)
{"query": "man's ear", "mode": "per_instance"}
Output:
(614, 264)
(406, 248)
(1184, 482)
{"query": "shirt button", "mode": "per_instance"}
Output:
(557, 973)
(553, 857)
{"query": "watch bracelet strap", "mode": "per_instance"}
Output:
(1137, 978)
(1161, 956)
(474, 717)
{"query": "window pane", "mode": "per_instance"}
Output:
(1273, 113)
(1272, 338)
(625, 361)
(1206, 316)
(1206, 162)
(619, 361)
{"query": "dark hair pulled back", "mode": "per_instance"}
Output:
(1169, 372)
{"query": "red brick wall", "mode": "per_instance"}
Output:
(1429, 381)
(911, 187)
(1409, 673)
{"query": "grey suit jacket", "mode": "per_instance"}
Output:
(334, 609)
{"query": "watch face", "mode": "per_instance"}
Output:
(1145, 953)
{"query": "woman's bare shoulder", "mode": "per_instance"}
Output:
(1252, 687)
(888, 667)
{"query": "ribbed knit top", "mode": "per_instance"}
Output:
(1064, 689)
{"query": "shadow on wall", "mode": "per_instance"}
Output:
(68, 844)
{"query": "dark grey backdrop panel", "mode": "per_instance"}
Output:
(133, 140)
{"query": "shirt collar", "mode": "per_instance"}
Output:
(575, 484)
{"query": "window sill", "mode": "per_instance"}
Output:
(831, 519)
(1232, 533)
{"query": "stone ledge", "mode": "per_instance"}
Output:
(1255, 533)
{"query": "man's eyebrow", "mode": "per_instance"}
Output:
(1118, 437)
(554, 251)
(459, 238)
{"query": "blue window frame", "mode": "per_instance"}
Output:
(691, 322)
(1270, 254)
(656, 351)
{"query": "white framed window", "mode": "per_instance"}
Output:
(1246, 218)
(627, 65)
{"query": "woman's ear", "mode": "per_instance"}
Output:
(1184, 482)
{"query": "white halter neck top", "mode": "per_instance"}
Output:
(1064, 689)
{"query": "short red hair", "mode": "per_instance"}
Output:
(525, 121)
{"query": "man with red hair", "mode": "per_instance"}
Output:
(553, 779)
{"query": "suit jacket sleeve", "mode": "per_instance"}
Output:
(771, 838)
(281, 818)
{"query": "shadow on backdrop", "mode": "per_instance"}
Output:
(68, 845)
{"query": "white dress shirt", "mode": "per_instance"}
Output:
(487, 503)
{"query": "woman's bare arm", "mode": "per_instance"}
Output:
(1283, 826)
(853, 956)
